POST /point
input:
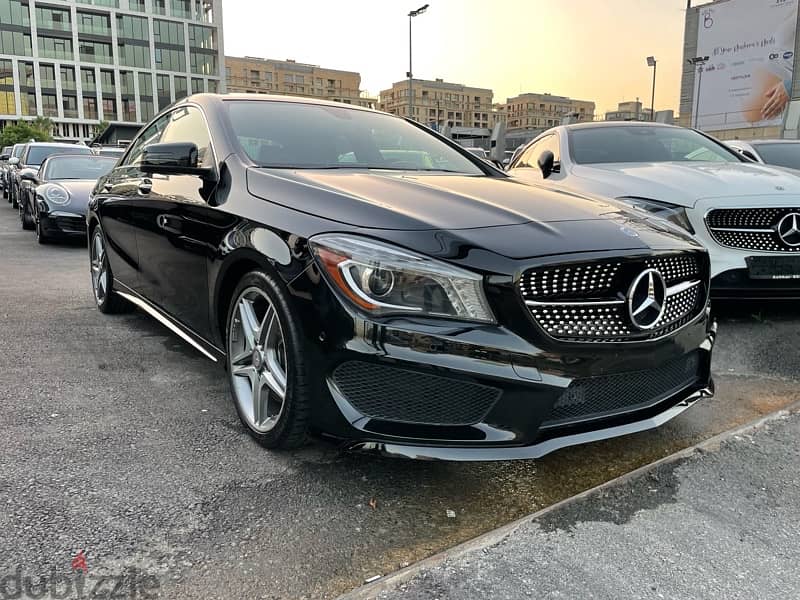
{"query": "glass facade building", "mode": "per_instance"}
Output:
(80, 62)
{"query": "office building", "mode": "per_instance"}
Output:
(80, 62)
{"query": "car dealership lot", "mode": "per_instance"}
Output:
(120, 440)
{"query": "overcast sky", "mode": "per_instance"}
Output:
(587, 49)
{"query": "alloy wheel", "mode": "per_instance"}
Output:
(258, 364)
(99, 267)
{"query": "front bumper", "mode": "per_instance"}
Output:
(461, 392)
(62, 224)
(730, 272)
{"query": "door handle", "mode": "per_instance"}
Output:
(145, 185)
(169, 224)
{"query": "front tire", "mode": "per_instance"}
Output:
(41, 236)
(24, 216)
(102, 278)
(267, 363)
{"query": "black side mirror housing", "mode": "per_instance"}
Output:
(173, 158)
(29, 176)
(547, 163)
(5, 156)
(748, 154)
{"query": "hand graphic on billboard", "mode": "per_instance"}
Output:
(777, 99)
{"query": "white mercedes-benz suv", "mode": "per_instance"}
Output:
(746, 214)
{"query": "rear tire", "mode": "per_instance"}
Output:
(267, 362)
(106, 300)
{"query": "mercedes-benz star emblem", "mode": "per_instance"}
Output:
(647, 299)
(789, 229)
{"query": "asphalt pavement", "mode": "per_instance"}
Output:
(720, 524)
(120, 447)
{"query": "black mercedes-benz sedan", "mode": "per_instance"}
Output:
(364, 279)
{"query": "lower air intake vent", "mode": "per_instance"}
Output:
(604, 396)
(394, 394)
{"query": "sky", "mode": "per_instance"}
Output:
(586, 49)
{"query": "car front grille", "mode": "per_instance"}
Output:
(608, 395)
(394, 394)
(750, 228)
(588, 301)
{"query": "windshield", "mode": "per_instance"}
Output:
(78, 167)
(307, 136)
(639, 144)
(783, 155)
(38, 153)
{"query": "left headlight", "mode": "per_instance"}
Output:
(663, 210)
(383, 279)
(57, 195)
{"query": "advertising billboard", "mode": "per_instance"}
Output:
(747, 79)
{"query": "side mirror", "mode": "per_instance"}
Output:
(29, 176)
(750, 155)
(546, 163)
(14, 160)
(174, 158)
(5, 156)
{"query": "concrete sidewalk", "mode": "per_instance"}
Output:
(721, 521)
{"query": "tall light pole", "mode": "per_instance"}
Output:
(413, 13)
(651, 62)
(698, 62)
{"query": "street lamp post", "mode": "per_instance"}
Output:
(413, 13)
(698, 62)
(651, 62)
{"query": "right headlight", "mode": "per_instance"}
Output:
(663, 210)
(382, 279)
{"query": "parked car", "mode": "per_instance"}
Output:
(5, 155)
(746, 214)
(23, 178)
(451, 313)
(479, 152)
(58, 196)
(113, 151)
(11, 167)
(782, 153)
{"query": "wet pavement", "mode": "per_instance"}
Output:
(118, 439)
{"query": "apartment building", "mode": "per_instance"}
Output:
(631, 110)
(80, 62)
(439, 103)
(287, 77)
(540, 111)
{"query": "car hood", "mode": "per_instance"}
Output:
(685, 183)
(499, 214)
(407, 201)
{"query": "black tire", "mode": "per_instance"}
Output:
(41, 236)
(25, 217)
(108, 302)
(291, 428)
(14, 203)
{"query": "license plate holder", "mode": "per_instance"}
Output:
(773, 267)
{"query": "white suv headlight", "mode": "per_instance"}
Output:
(382, 279)
(663, 210)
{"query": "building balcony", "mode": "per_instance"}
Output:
(93, 30)
(54, 25)
(56, 54)
(48, 83)
(96, 58)
(70, 113)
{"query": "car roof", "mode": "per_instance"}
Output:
(608, 124)
(757, 142)
(56, 145)
(218, 99)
